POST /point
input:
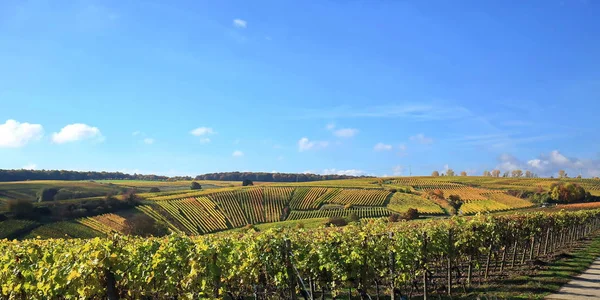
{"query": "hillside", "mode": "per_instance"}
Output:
(223, 205)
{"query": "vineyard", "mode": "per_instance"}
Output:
(434, 258)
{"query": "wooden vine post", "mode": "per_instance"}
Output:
(287, 248)
(425, 277)
(392, 267)
(450, 258)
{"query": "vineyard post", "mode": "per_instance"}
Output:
(290, 271)
(217, 276)
(450, 257)
(524, 252)
(392, 263)
(111, 289)
(532, 248)
(546, 242)
(514, 254)
(470, 270)
(424, 253)
(489, 258)
(503, 258)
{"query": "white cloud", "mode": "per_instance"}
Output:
(382, 147)
(204, 140)
(200, 131)
(351, 172)
(136, 133)
(237, 153)
(30, 166)
(148, 141)
(421, 139)
(239, 23)
(402, 147)
(76, 132)
(330, 126)
(305, 144)
(14, 134)
(345, 132)
(397, 170)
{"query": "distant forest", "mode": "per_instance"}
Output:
(270, 177)
(23, 175)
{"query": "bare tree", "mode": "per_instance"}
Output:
(463, 173)
(487, 173)
(496, 173)
(450, 172)
(435, 173)
(528, 174)
(517, 173)
(562, 174)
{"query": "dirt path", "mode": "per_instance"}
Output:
(584, 286)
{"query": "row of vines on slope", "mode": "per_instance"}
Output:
(399, 259)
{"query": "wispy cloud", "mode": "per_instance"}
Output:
(350, 172)
(418, 112)
(345, 132)
(148, 141)
(77, 132)
(421, 139)
(304, 144)
(14, 134)
(30, 166)
(237, 153)
(200, 131)
(382, 147)
(239, 23)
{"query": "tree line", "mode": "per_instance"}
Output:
(271, 177)
(23, 175)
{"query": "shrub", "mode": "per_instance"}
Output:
(394, 217)
(353, 217)
(348, 206)
(154, 190)
(336, 221)
(143, 225)
(46, 194)
(393, 190)
(247, 182)
(20, 208)
(455, 202)
(195, 186)
(299, 225)
(411, 214)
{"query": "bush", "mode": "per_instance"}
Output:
(299, 225)
(143, 225)
(154, 190)
(46, 194)
(20, 208)
(411, 214)
(348, 206)
(336, 221)
(247, 182)
(455, 202)
(393, 190)
(353, 217)
(195, 186)
(394, 217)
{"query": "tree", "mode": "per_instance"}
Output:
(449, 172)
(411, 214)
(20, 208)
(579, 176)
(195, 186)
(394, 217)
(463, 173)
(435, 173)
(247, 182)
(154, 190)
(487, 173)
(455, 202)
(496, 173)
(505, 174)
(143, 225)
(567, 193)
(528, 174)
(562, 174)
(46, 194)
(517, 173)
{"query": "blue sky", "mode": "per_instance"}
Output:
(350, 87)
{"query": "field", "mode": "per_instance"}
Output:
(434, 259)
(222, 205)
